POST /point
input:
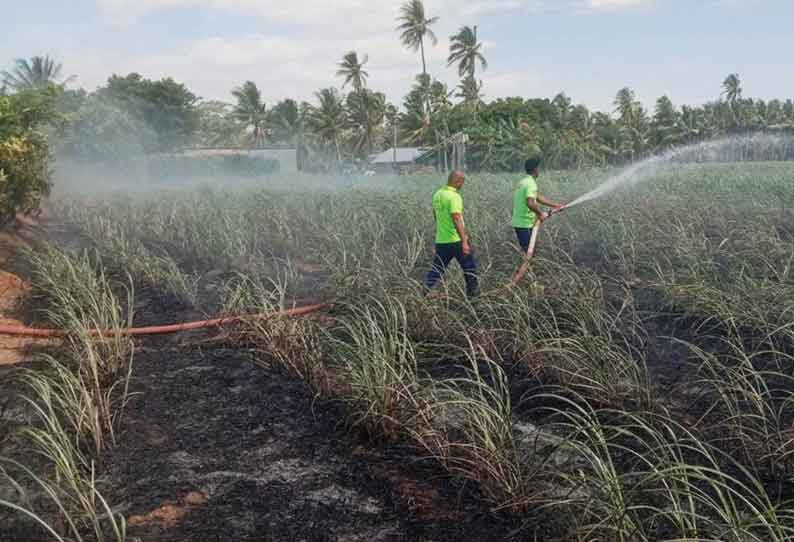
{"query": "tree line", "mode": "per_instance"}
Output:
(131, 114)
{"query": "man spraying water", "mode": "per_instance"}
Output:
(527, 204)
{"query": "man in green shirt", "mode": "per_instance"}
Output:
(527, 202)
(452, 242)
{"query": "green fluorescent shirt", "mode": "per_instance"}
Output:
(447, 200)
(523, 216)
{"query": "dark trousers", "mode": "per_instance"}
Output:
(447, 252)
(524, 235)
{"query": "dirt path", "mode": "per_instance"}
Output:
(219, 449)
(13, 349)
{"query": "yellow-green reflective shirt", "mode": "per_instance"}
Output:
(447, 200)
(523, 216)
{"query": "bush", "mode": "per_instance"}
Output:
(24, 175)
(24, 152)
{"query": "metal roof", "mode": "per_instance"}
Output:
(404, 154)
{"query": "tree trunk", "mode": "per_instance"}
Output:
(422, 49)
(472, 67)
(369, 129)
(424, 73)
(299, 150)
(394, 147)
(446, 143)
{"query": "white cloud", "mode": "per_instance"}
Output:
(370, 14)
(515, 83)
(300, 54)
(302, 57)
(281, 66)
(499, 6)
(284, 67)
(735, 3)
(613, 5)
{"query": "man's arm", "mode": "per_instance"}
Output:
(457, 219)
(548, 203)
(534, 206)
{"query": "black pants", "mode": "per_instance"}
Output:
(524, 235)
(447, 252)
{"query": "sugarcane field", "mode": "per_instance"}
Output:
(339, 272)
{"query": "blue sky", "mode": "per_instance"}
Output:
(535, 48)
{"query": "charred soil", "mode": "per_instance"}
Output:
(219, 448)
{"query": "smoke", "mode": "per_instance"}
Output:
(135, 175)
(139, 172)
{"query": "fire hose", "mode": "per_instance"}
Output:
(533, 241)
(22, 331)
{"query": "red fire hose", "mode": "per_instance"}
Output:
(22, 331)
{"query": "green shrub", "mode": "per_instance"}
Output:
(24, 152)
(24, 175)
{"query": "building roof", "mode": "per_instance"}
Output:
(404, 154)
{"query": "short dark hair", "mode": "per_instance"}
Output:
(532, 164)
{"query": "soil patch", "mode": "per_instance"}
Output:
(218, 448)
(23, 234)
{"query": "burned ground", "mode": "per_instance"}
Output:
(216, 447)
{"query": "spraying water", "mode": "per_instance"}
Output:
(733, 149)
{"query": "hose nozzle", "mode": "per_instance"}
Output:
(555, 211)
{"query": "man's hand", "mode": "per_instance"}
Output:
(558, 206)
(541, 217)
(466, 247)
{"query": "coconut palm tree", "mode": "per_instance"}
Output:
(289, 121)
(732, 90)
(691, 123)
(251, 110)
(353, 71)
(626, 106)
(415, 27)
(441, 107)
(563, 106)
(392, 115)
(788, 110)
(415, 123)
(633, 123)
(466, 51)
(666, 129)
(328, 119)
(366, 112)
(37, 72)
(470, 91)
(774, 112)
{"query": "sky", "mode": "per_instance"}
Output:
(535, 48)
